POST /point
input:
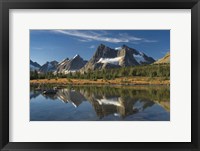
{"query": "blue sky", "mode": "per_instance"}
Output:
(49, 45)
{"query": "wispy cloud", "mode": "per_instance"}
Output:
(130, 38)
(87, 36)
(84, 40)
(37, 48)
(146, 40)
(92, 47)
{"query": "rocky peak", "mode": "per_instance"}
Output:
(125, 47)
(130, 50)
(35, 64)
(54, 62)
(71, 65)
(101, 46)
(49, 67)
(76, 56)
(104, 52)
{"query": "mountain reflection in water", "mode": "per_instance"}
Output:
(107, 103)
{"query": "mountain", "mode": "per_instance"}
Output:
(165, 59)
(34, 66)
(48, 67)
(133, 57)
(102, 55)
(124, 56)
(70, 65)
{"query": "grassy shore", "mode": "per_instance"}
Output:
(122, 81)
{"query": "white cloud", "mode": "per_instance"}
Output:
(86, 36)
(92, 47)
(130, 38)
(91, 36)
(84, 40)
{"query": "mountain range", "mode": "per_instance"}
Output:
(34, 66)
(103, 58)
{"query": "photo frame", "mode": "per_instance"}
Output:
(6, 5)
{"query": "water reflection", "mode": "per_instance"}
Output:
(70, 96)
(103, 103)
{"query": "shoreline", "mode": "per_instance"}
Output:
(132, 81)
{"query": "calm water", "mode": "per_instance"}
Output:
(102, 103)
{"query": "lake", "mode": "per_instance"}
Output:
(101, 103)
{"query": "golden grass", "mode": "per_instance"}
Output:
(124, 81)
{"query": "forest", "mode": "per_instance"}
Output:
(153, 70)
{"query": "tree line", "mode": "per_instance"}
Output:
(155, 70)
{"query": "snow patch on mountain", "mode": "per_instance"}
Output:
(114, 61)
(75, 56)
(118, 48)
(139, 58)
(63, 61)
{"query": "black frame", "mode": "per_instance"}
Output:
(5, 5)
